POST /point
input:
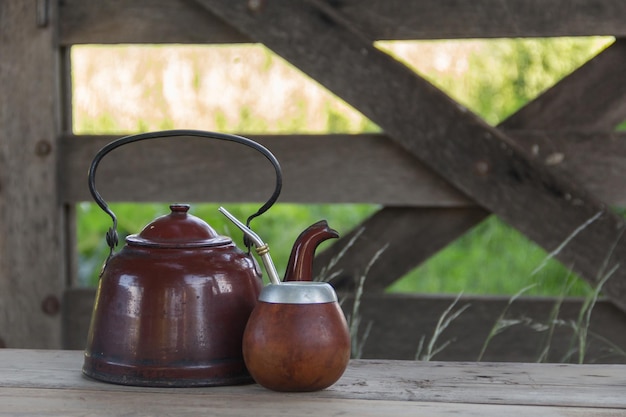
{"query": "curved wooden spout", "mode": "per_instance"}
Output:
(300, 266)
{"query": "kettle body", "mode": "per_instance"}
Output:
(173, 315)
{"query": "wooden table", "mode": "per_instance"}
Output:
(50, 383)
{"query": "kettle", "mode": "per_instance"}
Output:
(172, 305)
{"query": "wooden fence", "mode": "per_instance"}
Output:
(437, 169)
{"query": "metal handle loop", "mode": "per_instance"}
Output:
(112, 236)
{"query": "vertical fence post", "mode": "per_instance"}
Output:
(31, 232)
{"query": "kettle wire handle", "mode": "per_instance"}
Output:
(112, 236)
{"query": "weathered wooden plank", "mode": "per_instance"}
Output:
(316, 169)
(448, 19)
(549, 207)
(55, 402)
(141, 21)
(33, 378)
(31, 240)
(320, 168)
(388, 380)
(399, 321)
(163, 21)
(594, 159)
(77, 307)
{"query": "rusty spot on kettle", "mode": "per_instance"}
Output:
(51, 305)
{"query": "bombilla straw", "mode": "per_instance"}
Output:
(261, 248)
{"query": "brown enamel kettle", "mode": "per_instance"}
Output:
(172, 305)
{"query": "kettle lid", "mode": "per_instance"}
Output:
(178, 230)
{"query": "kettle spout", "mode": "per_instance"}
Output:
(300, 266)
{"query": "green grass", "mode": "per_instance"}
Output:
(492, 258)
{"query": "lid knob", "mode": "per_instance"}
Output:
(179, 208)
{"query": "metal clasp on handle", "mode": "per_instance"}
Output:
(112, 235)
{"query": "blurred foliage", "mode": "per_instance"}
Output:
(492, 78)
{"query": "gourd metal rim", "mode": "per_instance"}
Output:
(298, 292)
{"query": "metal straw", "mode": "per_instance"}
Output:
(261, 248)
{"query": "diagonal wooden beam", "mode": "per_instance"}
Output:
(546, 205)
(404, 235)
(580, 100)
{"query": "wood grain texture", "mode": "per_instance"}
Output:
(447, 19)
(144, 21)
(49, 383)
(549, 207)
(181, 21)
(77, 308)
(399, 321)
(316, 169)
(319, 168)
(62, 403)
(31, 242)
(593, 158)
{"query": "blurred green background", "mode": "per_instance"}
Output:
(247, 89)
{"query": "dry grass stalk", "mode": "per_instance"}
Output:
(324, 275)
(580, 328)
(553, 321)
(355, 318)
(566, 241)
(501, 324)
(444, 321)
